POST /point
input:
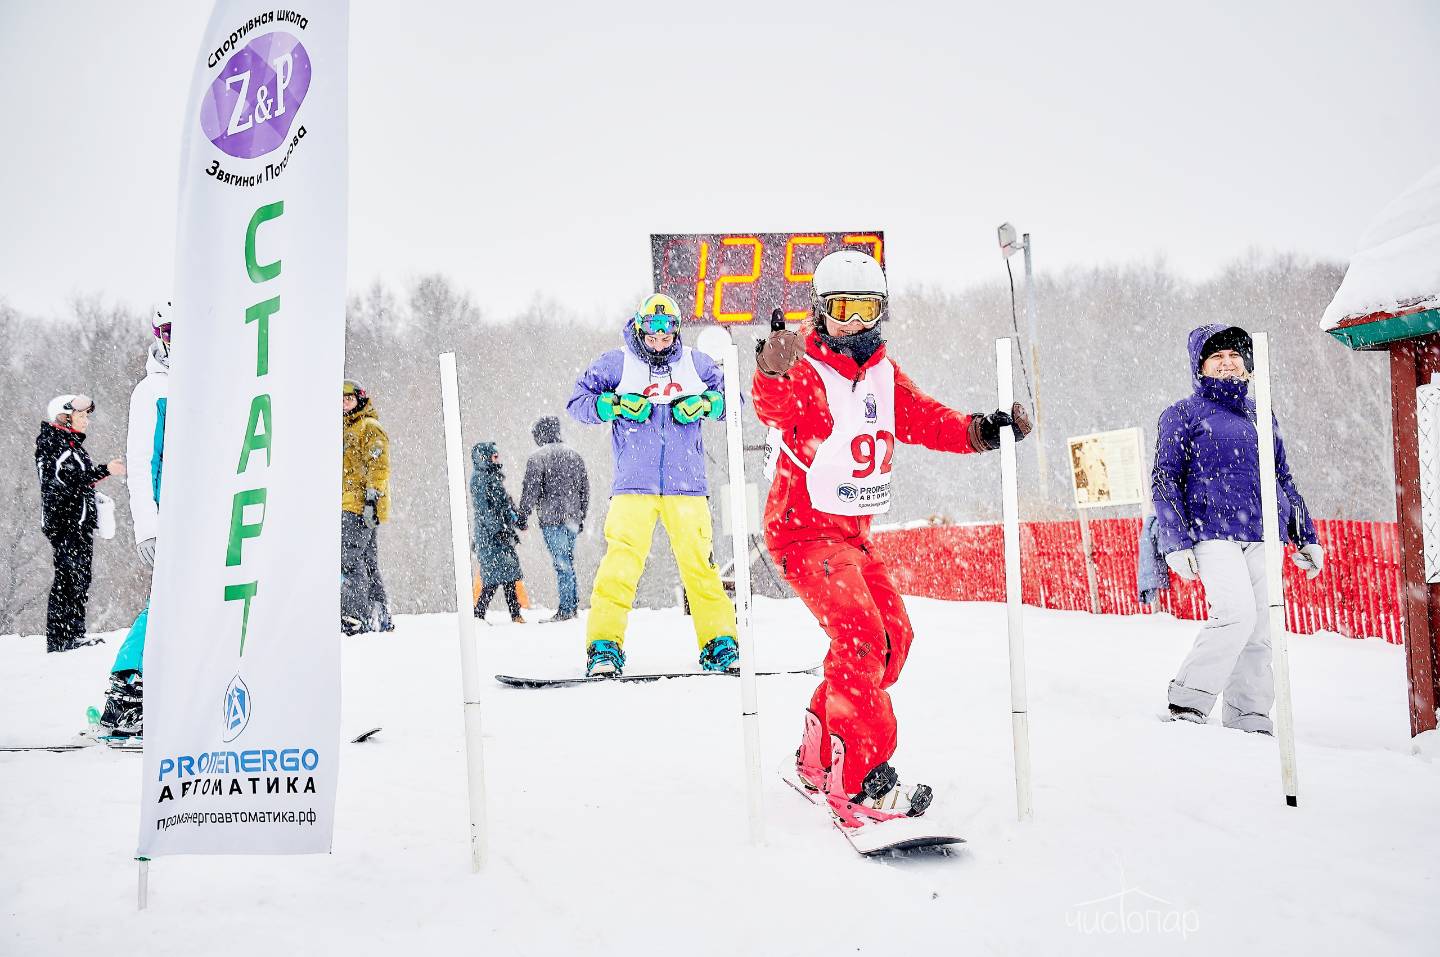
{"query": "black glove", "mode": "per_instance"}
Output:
(368, 515)
(985, 429)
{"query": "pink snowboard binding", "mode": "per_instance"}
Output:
(881, 797)
(812, 774)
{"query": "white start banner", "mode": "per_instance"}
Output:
(242, 664)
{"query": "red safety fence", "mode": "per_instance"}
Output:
(1358, 595)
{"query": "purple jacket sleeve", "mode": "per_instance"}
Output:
(1301, 529)
(1167, 482)
(713, 376)
(602, 376)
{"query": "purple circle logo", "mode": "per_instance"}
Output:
(251, 105)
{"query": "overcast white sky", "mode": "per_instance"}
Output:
(531, 150)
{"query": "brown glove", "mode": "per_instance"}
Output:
(778, 354)
(985, 429)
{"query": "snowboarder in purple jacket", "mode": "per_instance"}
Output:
(654, 393)
(1206, 492)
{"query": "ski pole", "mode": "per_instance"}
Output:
(1019, 713)
(464, 610)
(1274, 581)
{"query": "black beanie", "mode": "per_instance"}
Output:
(1235, 339)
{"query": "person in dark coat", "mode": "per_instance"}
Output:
(558, 489)
(68, 505)
(1206, 491)
(496, 525)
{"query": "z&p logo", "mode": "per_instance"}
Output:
(237, 708)
(249, 108)
(872, 412)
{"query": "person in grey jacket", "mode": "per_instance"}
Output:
(557, 487)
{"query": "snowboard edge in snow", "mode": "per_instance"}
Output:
(514, 681)
(72, 746)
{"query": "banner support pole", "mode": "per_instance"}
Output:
(464, 610)
(142, 883)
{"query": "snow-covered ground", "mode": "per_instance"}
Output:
(617, 813)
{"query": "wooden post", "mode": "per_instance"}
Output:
(1087, 545)
(1411, 362)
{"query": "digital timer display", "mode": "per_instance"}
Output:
(738, 278)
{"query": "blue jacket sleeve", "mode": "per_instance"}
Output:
(1167, 481)
(1301, 529)
(602, 376)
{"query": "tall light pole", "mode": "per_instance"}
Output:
(1009, 245)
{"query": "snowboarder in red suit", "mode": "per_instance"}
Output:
(837, 406)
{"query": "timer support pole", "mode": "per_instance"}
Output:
(1010, 243)
(1032, 333)
(464, 610)
(1019, 709)
(740, 545)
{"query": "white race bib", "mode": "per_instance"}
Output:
(661, 388)
(851, 471)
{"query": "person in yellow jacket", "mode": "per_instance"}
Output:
(653, 393)
(364, 506)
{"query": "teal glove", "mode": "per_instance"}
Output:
(631, 405)
(688, 408)
(716, 406)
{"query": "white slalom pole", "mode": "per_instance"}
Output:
(740, 539)
(1019, 713)
(142, 885)
(1274, 582)
(464, 608)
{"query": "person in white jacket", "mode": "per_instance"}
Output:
(145, 448)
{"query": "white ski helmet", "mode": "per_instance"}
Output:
(851, 272)
(65, 404)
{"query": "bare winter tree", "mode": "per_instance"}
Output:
(1112, 355)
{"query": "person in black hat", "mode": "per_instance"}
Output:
(558, 489)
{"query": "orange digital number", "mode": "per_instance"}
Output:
(700, 281)
(795, 315)
(719, 312)
(865, 239)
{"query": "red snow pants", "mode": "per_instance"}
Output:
(850, 593)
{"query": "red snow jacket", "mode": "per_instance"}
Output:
(795, 403)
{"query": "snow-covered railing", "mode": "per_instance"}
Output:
(1357, 596)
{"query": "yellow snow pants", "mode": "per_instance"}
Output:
(629, 527)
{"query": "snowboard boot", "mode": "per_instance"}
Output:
(1193, 715)
(605, 658)
(808, 757)
(882, 797)
(124, 714)
(719, 654)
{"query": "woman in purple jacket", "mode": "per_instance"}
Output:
(653, 394)
(1206, 491)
